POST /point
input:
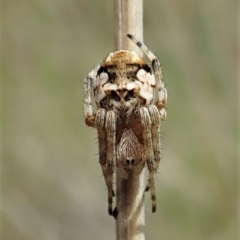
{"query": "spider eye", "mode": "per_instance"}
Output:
(101, 70)
(147, 68)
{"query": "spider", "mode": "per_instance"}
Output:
(130, 97)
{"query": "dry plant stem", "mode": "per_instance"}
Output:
(128, 18)
(130, 221)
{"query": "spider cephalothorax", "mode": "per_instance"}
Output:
(127, 119)
(124, 82)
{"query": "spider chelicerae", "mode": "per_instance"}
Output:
(130, 96)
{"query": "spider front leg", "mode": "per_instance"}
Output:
(88, 109)
(160, 87)
(148, 152)
(162, 91)
(106, 126)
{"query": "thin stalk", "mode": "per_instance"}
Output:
(130, 221)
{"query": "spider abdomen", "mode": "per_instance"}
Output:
(129, 152)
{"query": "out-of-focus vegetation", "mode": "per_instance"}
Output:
(51, 180)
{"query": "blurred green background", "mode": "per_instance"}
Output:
(51, 180)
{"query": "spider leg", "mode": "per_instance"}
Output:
(161, 90)
(110, 127)
(102, 141)
(106, 131)
(148, 152)
(155, 62)
(155, 131)
(88, 109)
